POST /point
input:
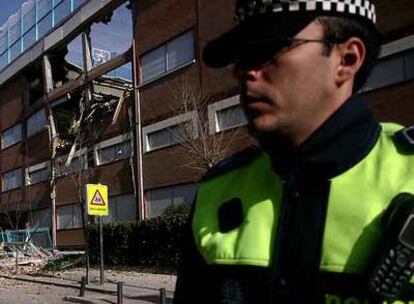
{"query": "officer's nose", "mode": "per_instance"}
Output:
(243, 72)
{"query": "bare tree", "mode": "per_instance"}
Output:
(13, 218)
(203, 149)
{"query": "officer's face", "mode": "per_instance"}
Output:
(290, 94)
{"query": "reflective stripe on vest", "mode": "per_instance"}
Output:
(357, 199)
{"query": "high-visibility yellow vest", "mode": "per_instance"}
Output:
(357, 199)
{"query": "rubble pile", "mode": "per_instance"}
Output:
(24, 257)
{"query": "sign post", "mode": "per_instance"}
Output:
(97, 196)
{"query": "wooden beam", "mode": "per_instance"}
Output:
(87, 59)
(94, 73)
(47, 74)
(108, 66)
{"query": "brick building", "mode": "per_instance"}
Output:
(69, 109)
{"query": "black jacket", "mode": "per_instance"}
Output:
(340, 143)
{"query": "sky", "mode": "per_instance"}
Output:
(9, 7)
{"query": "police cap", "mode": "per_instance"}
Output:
(260, 21)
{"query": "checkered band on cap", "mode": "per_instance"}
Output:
(361, 8)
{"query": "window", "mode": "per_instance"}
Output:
(40, 218)
(34, 20)
(69, 217)
(113, 149)
(77, 3)
(37, 173)
(36, 122)
(15, 50)
(14, 28)
(79, 162)
(168, 57)
(11, 136)
(159, 199)
(12, 180)
(121, 208)
(29, 38)
(123, 72)
(3, 40)
(29, 15)
(44, 25)
(43, 8)
(170, 131)
(226, 114)
(4, 60)
(62, 10)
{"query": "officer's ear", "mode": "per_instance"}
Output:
(351, 55)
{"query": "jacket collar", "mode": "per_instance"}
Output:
(341, 142)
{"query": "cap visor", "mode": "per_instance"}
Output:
(227, 48)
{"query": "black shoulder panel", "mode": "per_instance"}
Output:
(234, 161)
(404, 139)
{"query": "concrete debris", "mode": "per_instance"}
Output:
(25, 257)
(119, 107)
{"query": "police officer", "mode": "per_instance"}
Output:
(297, 220)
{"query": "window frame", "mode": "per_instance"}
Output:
(9, 129)
(165, 124)
(10, 171)
(29, 134)
(214, 108)
(72, 226)
(79, 153)
(165, 51)
(35, 168)
(109, 219)
(173, 190)
(39, 214)
(109, 143)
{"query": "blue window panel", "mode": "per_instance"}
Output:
(45, 25)
(62, 10)
(3, 42)
(124, 72)
(29, 20)
(56, 2)
(15, 32)
(77, 3)
(3, 60)
(15, 50)
(153, 64)
(29, 38)
(43, 8)
(180, 51)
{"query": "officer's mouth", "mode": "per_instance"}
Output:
(254, 106)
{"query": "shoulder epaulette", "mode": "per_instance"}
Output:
(234, 161)
(405, 138)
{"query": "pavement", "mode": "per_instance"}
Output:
(137, 287)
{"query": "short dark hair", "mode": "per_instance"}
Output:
(340, 29)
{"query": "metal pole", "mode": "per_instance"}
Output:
(101, 250)
(82, 287)
(163, 299)
(48, 87)
(136, 67)
(119, 293)
(17, 259)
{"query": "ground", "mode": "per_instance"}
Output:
(139, 287)
(12, 291)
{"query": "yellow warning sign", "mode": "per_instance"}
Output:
(97, 196)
